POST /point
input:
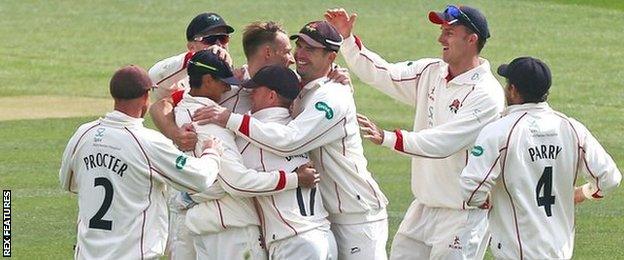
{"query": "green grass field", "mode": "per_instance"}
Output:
(69, 50)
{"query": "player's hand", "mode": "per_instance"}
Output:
(185, 137)
(182, 201)
(222, 53)
(340, 75)
(340, 19)
(212, 115)
(369, 130)
(239, 73)
(213, 143)
(307, 175)
(579, 197)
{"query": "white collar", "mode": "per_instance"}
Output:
(472, 76)
(272, 114)
(188, 98)
(118, 117)
(526, 107)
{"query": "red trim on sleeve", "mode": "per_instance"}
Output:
(281, 183)
(187, 57)
(244, 127)
(596, 195)
(177, 96)
(398, 145)
(358, 41)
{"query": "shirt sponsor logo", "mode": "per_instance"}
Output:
(355, 250)
(180, 162)
(456, 243)
(323, 107)
(477, 150)
(99, 135)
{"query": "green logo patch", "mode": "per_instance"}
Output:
(477, 150)
(323, 107)
(180, 161)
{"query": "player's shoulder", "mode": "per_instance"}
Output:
(169, 66)
(150, 136)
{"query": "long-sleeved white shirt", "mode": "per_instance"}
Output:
(448, 116)
(527, 163)
(219, 210)
(287, 213)
(325, 127)
(119, 170)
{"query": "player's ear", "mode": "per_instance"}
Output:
(332, 56)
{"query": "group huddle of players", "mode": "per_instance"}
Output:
(265, 162)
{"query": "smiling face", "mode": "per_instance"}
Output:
(280, 51)
(457, 44)
(312, 63)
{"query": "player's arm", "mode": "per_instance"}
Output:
(398, 80)
(183, 172)
(596, 165)
(483, 168)
(163, 117)
(67, 178)
(319, 123)
(238, 180)
(446, 139)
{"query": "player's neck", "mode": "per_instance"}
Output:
(130, 109)
(461, 66)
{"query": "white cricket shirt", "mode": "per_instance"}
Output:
(528, 163)
(119, 170)
(449, 115)
(326, 128)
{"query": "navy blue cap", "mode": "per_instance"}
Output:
(529, 75)
(205, 62)
(320, 34)
(205, 22)
(282, 80)
(465, 15)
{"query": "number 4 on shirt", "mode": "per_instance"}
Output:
(544, 186)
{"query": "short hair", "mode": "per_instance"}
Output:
(258, 33)
(480, 42)
(531, 95)
(130, 82)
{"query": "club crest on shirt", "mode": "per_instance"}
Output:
(455, 106)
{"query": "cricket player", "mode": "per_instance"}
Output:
(527, 164)
(170, 75)
(454, 97)
(325, 126)
(119, 170)
(294, 221)
(227, 226)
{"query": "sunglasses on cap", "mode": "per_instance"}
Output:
(453, 14)
(213, 39)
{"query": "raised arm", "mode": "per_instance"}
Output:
(163, 117)
(398, 80)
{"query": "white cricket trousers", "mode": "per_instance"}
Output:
(361, 241)
(315, 244)
(233, 243)
(440, 233)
